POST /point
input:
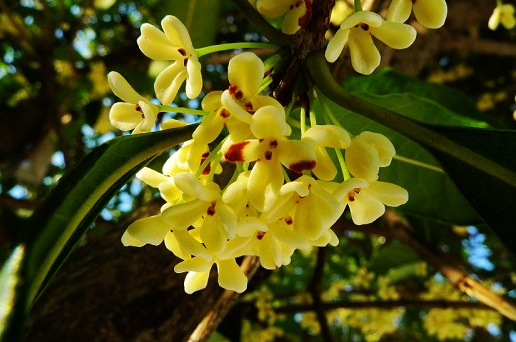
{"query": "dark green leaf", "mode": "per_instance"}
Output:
(390, 256)
(65, 215)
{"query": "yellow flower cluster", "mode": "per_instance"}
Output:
(284, 194)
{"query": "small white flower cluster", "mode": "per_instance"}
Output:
(261, 211)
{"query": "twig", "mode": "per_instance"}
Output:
(315, 291)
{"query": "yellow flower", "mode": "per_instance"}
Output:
(173, 44)
(502, 14)
(297, 12)
(271, 149)
(367, 200)
(429, 13)
(356, 31)
(136, 112)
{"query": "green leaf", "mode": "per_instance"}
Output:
(432, 194)
(392, 255)
(68, 211)
(493, 199)
(9, 286)
(390, 82)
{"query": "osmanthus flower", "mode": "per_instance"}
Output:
(230, 275)
(217, 118)
(201, 201)
(367, 153)
(242, 99)
(298, 13)
(189, 158)
(137, 113)
(357, 31)
(320, 137)
(367, 200)
(504, 14)
(309, 207)
(270, 150)
(429, 13)
(172, 44)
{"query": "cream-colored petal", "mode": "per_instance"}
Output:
(382, 144)
(128, 240)
(152, 177)
(227, 218)
(231, 276)
(212, 235)
(211, 102)
(269, 123)
(151, 230)
(173, 245)
(494, 19)
(246, 71)
(155, 44)
(196, 281)
(273, 8)
(399, 11)
(124, 116)
(341, 193)
(269, 252)
(315, 214)
(264, 184)
(328, 136)
(365, 57)
(260, 101)
(336, 45)
(236, 189)
(122, 89)
(234, 107)
(150, 113)
(248, 226)
(507, 16)
(190, 245)
(169, 81)
(281, 208)
(362, 160)
(367, 17)
(209, 129)
(169, 191)
(192, 186)
(177, 33)
(290, 237)
(291, 21)
(395, 35)
(325, 168)
(193, 264)
(194, 81)
(365, 208)
(300, 187)
(431, 13)
(390, 194)
(183, 215)
(296, 155)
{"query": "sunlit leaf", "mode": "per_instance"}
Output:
(9, 285)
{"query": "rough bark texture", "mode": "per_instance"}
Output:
(108, 292)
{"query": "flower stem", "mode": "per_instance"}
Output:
(412, 129)
(183, 110)
(358, 5)
(234, 46)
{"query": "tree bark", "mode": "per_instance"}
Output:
(108, 292)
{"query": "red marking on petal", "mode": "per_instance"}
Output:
(268, 155)
(352, 194)
(273, 143)
(307, 17)
(185, 62)
(260, 235)
(364, 26)
(224, 113)
(211, 209)
(302, 166)
(235, 152)
(182, 51)
(289, 220)
(138, 108)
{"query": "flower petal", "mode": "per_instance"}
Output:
(269, 122)
(196, 281)
(169, 81)
(231, 276)
(399, 11)
(336, 45)
(151, 230)
(365, 57)
(122, 89)
(246, 71)
(124, 116)
(431, 13)
(367, 17)
(155, 44)
(297, 155)
(177, 33)
(265, 181)
(128, 240)
(365, 208)
(390, 194)
(151, 177)
(362, 160)
(395, 35)
(194, 81)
